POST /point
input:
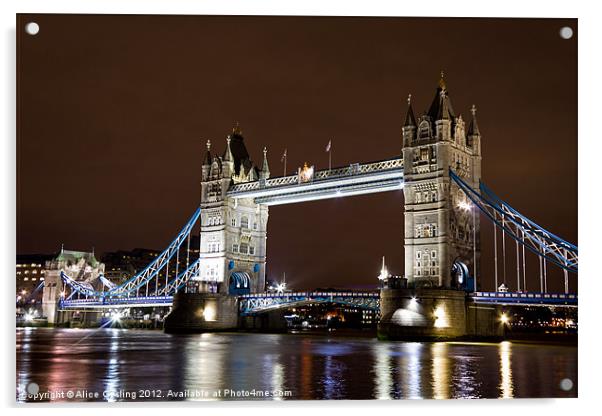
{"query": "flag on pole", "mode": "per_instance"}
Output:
(283, 159)
(328, 146)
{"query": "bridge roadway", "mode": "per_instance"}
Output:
(355, 179)
(262, 302)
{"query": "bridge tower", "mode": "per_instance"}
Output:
(441, 236)
(233, 231)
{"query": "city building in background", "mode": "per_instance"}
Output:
(30, 272)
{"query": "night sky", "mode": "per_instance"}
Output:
(114, 112)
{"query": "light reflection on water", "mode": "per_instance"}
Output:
(225, 366)
(506, 369)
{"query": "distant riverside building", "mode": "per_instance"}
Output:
(30, 273)
(121, 265)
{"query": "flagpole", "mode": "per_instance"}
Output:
(329, 150)
(283, 159)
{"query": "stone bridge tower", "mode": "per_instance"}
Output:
(233, 232)
(440, 228)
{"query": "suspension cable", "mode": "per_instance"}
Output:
(495, 251)
(504, 249)
(524, 265)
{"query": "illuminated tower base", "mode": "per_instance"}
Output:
(435, 314)
(202, 312)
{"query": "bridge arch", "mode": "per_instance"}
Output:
(239, 283)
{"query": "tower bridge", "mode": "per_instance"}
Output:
(445, 201)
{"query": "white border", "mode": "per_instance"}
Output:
(590, 112)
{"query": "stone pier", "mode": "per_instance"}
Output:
(202, 312)
(435, 314)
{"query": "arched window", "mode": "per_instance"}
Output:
(424, 130)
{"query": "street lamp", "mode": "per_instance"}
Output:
(465, 205)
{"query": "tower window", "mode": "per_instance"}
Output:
(244, 222)
(251, 250)
(244, 248)
(233, 221)
(235, 248)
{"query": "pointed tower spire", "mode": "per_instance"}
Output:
(473, 127)
(441, 108)
(228, 157)
(408, 130)
(265, 169)
(442, 81)
(384, 273)
(444, 113)
(410, 119)
(207, 160)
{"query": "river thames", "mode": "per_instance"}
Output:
(144, 365)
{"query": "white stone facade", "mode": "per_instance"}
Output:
(439, 228)
(233, 231)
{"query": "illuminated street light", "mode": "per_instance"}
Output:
(209, 313)
(23, 292)
(281, 287)
(28, 317)
(504, 319)
(465, 205)
(441, 320)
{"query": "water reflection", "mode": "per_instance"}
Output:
(332, 381)
(310, 367)
(112, 377)
(411, 365)
(383, 368)
(465, 383)
(204, 364)
(506, 385)
(440, 370)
